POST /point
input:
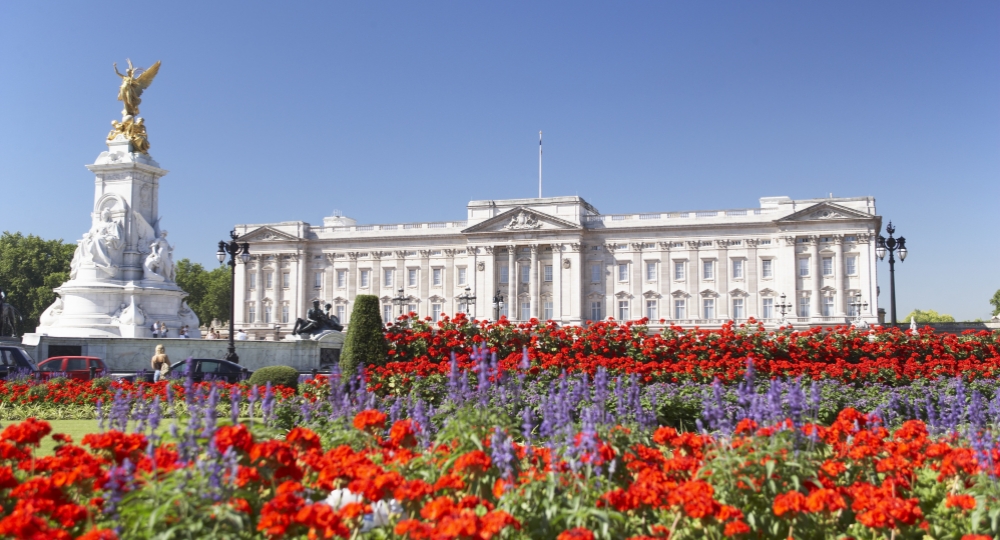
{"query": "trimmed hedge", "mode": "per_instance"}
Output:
(365, 342)
(283, 375)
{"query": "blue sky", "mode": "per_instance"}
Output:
(404, 111)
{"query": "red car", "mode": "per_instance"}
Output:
(74, 367)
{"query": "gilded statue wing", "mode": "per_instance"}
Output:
(145, 233)
(143, 81)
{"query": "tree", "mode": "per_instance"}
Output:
(208, 291)
(30, 268)
(996, 303)
(929, 316)
(365, 342)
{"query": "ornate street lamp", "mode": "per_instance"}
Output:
(497, 305)
(783, 308)
(858, 306)
(469, 300)
(234, 249)
(892, 245)
(400, 300)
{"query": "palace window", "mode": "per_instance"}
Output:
(411, 308)
(827, 266)
(525, 310)
(267, 313)
(341, 310)
(437, 276)
(678, 270)
(435, 312)
(679, 310)
(387, 313)
(804, 266)
(366, 276)
(767, 268)
(387, 275)
(411, 277)
(623, 272)
(828, 306)
(252, 312)
(548, 273)
(708, 269)
(595, 273)
(284, 313)
(708, 307)
(803, 306)
(650, 271)
(852, 265)
(341, 279)
(268, 280)
(738, 308)
(253, 280)
(317, 280)
(525, 273)
(595, 311)
(504, 274)
(768, 308)
(547, 315)
(651, 310)
(286, 280)
(623, 314)
(737, 268)
(461, 275)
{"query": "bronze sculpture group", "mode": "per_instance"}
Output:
(317, 321)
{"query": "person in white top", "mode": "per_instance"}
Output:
(241, 335)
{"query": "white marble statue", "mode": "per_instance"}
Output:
(51, 313)
(187, 316)
(159, 264)
(132, 315)
(101, 246)
(116, 317)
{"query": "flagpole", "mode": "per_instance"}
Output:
(539, 164)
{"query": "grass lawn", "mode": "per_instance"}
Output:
(74, 428)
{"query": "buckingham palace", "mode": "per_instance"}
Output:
(560, 259)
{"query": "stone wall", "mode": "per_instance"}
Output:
(133, 354)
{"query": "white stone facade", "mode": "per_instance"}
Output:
(559, 259)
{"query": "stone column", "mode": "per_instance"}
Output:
(376, 279)
(352, 283)
(424, 281)
(786, 271)
(533, 281)
(868, 273)
(513, 283)
(302, 287)
(693, 275)
(259, 292)
(242, 294)
(840, 280)
(448, 282)
(637, 304)
(815, 301)
(557, 282)
(663, 282)
(575, 284)
(484, 296)
(400, 281)
(752, 306)
(722, 304)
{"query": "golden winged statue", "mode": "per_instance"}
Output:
(134, 81)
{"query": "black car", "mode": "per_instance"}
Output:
(204, 369)
(15, 360)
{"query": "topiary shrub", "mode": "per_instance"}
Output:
(365, 342)
(283, 375)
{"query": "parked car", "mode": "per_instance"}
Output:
(203, 369)
(14, 360)
(74, 367)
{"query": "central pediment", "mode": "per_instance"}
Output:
(267, 234)
(522, 219)
(825, 211)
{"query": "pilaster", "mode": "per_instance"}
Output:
(533, 281)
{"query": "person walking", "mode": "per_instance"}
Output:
(155, 329)
(161, 363)
(163, 330)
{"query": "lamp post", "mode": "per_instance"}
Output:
(468, 299)
(858, 306)
(497, 305)
(892, 245)
(400, 300)
(783, 308)
(234, 249)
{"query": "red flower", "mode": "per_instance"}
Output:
(474, 462)
(792, 502)
(370, 420)
(238, 437)
(965, 502)
(578, 533)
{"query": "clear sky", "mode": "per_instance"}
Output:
(404, 111)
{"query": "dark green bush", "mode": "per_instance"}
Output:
(283, 375)
(365, 342)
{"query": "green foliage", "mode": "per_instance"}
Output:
(929, 316)
(30, 268)
(995, 302)
(208, 290)
(283, 375)
(365, 343)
